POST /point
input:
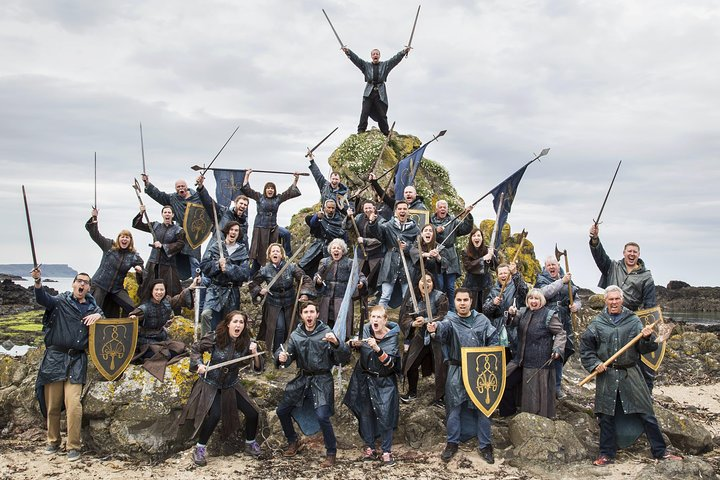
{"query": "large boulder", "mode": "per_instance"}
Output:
(540, 439)
(683, 432)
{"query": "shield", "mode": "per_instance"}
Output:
(421, 217)
(483, 372)
(197, 224)
(647, 316)
(112, 345)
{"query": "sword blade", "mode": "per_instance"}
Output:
(320, 142)
(142, 148)
(221, 149)
(607, 194)
(342, 45)
(95, 205)
(412, 33)
(29, 225)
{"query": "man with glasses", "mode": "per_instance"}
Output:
(63, 369)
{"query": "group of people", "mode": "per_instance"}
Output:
(401, 263)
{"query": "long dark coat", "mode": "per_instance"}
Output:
(389, 232)
(374, 383)
(599, 342)
(540, 334)
(265, 228)
(281, 298)
(314, 358)
(416, 335)
(225, 381)
(161, 263)
(110, 275)
(336, 276)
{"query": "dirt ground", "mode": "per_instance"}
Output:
(22, 459)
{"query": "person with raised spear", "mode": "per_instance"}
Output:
(218, 393)
(278, 295)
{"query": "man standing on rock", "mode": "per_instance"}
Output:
(463, 328)
(620, 385)
(375, 101)
(63, 369)
(631, 276)
(316, 349)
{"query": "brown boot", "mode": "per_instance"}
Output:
(329, 461)
(292, 448)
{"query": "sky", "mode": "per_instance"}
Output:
(596, 82)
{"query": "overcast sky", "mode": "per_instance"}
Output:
(595, 81)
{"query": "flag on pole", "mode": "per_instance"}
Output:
(227, 185)
(406, 170)
(508, 187)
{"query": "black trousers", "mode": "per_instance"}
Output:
(373, 107)
(213, 417)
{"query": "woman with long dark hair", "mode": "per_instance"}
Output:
(478, 261)
(432, 259)
(154, 348)
(218, 394)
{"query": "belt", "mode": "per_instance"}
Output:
(310, 373)
(377, 374)
(621, 367)
(455, 362)
(69, 351)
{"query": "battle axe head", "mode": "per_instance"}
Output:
(559, 254)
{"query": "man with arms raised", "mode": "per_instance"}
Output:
(63, 369)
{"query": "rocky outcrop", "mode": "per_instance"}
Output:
(540, 439)
(683, 432)
(689, 299)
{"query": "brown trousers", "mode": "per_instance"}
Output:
(56, 394)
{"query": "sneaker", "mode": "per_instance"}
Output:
(670, 456)
(368, 454)
(487, 454)
(387, 459)
(439, 403)
(73, 455)
(199, 456)
(449, 452)
(603, 460)
(560, 395)
(51, 449)
(408, 397)
(253, 448)
(292, 448)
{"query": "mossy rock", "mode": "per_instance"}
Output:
(357, 154)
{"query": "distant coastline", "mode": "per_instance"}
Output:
(22, 270)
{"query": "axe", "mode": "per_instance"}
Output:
(573, 316)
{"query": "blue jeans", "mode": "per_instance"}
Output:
(323, 416)
(285, 239)
(369, 432)
(608, 443)
(387, 291)
(558, 374)
(453, 426)
(447, 285)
